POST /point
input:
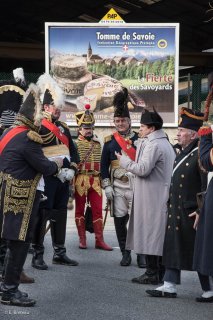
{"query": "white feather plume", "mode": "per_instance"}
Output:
(45, 82)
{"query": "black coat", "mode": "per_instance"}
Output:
(21, 164)
(203, 252)
(57, 192)
(187, 181)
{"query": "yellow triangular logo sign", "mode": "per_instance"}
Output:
(112, 17)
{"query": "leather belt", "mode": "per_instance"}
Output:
(123, 179)
(89, 173)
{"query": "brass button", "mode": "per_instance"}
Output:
(177, 228)
(192, 154)
(181, 185)
(170, 215)
(170, 206)
(182, 176)
(179, 196)
(169, 227)
(178, 207)
(178, 217)
(187, 164)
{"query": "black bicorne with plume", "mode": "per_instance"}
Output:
(120, 103)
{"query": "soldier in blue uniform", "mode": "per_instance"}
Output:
(11, 97)
(22, 163)
(57, 141)
(115, 180)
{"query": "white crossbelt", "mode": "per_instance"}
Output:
(179, 163)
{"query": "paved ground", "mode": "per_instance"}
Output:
(99, 289)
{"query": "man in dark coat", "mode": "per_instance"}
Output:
(11, 98)
(57, 141)
(203, 252)
(22, 163)
(187, 180)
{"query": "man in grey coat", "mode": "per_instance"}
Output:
(152, 169)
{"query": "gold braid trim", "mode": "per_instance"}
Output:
(47, 138)
(97, 185)
(11, 87)
(19, 198)
(34, 136)
(82, 184)
(22, 120)
(108, 138)
(78, 220)
(193, 116)
(97, 220)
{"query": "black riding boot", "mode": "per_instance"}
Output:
(3, 249)
(38, 240)
(121, 233)
(141, 260)
(58, 232)
(151, 276)
(16, 258)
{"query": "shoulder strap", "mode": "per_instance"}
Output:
(86, 156)
(182, 160)
(125, 145)
(10, 135)
(56, 131)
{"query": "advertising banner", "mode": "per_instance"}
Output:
(91, 62)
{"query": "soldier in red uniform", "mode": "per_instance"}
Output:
(87, 182)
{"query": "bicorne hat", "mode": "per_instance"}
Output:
(11, 97)
(31, 107)
(190, 119)
(151, 118)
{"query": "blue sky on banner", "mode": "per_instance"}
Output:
(75, 40)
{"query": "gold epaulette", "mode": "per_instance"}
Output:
(34, 136)
(108, 138)
(64, 124)
(204, 131)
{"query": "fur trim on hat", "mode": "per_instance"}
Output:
(46, 82)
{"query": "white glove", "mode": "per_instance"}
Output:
(109, 192)
(62, 175)
(70, 173)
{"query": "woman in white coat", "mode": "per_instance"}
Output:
(152, 169)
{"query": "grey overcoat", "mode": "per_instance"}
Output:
(152, 169)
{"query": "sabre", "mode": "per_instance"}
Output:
(107, 208)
